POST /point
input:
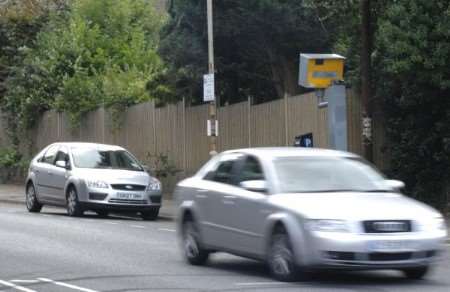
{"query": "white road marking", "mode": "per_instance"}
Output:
(259, 283)
(137, 226)
(112, 223)
(14, 286)
(167, 229)
(24, 281)
(70, 286)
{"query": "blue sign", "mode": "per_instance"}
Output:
(305, 140)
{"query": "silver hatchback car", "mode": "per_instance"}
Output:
(301, 209)
(87, 176)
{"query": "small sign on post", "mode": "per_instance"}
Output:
(305, 140)
(212, 128)
(208, 88)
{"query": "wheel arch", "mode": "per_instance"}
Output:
(292, 226)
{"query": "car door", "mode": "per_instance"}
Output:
(58, 176)
(44, 168)
(249, 209)
(216, 188)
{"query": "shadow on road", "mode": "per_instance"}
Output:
(112, 216)
(326, 279)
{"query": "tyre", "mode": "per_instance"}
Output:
(281, 260)
(102, 213)
(193, 251)
(74, 208)
(416, 273)
(31, 200)
(150, 215)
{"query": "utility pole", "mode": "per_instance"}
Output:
(366, 95)
(212, 104)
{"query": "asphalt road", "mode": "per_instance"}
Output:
(53, 252)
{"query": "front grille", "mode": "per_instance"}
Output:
(381, 256)
(129, 202)
(97, 196)
(386, 226)
(155, 199)
(128, 187)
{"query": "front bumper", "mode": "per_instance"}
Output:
(375, 251)
(120, 199)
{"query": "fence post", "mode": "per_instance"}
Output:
(249, 120)
(184, 137)
(286, 119)
(154, 125)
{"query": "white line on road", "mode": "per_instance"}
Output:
(14, 286)
(70, 286)
(167, 229)
(137, 226)
(112, 223)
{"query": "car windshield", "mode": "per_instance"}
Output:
(327, 174)
(98, 158)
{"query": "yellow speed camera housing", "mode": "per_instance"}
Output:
(320, 70)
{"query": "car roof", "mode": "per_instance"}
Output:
(89, 145)
(273, 152)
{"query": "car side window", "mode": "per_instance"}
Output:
(251, 170)
(224, 173)
(50, 155)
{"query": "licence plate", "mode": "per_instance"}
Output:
(389, 245)
(130, 196)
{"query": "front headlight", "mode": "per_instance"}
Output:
(96, 184)
(327, 225)
(432, 224)
(154, 185)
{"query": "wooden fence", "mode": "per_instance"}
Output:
(179, 131)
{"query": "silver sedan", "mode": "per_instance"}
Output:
(305, 209)
(86, 176)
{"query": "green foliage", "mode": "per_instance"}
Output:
(413, 80)
(12, 164)
(162, 167)
(95, 52)
(257, 43)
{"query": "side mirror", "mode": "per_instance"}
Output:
(259, 186)
(61, 163)
(395, 184)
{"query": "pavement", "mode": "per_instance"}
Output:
(52, 252)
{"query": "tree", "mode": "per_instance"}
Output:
(413, 80)
(257, 46)
(97, 52)
(20, 22)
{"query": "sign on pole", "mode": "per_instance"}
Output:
(212, 128)
(208, 87)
